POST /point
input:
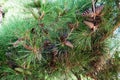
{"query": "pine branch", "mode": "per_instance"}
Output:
(42, 15)
(73, 27)
(110, 32)
(93, 5)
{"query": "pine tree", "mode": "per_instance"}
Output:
(68, 39)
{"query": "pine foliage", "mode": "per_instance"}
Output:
(52, 41)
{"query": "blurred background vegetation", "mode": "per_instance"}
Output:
(47, 40)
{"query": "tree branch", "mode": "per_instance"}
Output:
(93, 5)
(110, 32)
